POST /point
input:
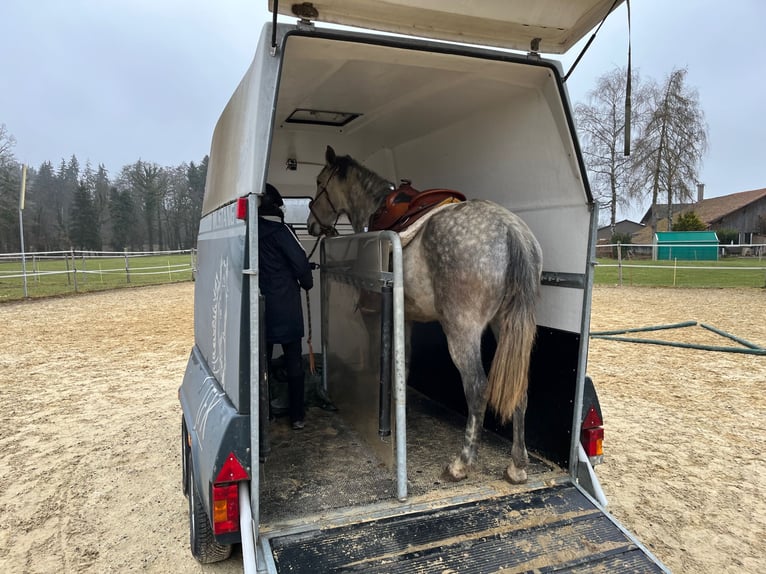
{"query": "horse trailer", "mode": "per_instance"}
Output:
(448, 94)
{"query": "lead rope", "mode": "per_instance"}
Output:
(312, 362)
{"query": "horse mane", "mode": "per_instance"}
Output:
(375, 186)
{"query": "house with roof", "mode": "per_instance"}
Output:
(659, 213)
(743, 212)
(623, 227)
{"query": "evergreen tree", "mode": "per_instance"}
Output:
(40, 211)
(67, 182)
(689, 221)
(147, 185)
(101, 187)
(83, 230)
(123, 218)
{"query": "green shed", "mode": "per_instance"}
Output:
(686, 245)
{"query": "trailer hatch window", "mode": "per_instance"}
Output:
(321, 117)
(297, 214)
(296, 211)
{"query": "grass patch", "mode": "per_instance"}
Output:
(729, 272)
(52, 276)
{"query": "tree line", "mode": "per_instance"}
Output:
(146, 207)
(667, 137)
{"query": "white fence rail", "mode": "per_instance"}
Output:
(749, 257)
(75, 268)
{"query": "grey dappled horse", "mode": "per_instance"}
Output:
(472, 264)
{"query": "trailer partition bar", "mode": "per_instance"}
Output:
(386, 321)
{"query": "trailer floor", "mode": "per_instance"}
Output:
(328, 466)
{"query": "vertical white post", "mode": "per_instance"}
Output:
(619, 262)
(21, 226)
(74, 268)
(84, 269)
(675, 265)
(127, 265)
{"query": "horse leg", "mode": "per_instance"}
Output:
(466, 355)
(516, 472)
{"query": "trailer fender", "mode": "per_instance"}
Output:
(214, 428)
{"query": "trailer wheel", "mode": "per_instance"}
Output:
(201, 540)
(185, 453)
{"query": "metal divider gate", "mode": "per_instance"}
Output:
(362, 296)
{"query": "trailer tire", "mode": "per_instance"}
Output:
(202, 542)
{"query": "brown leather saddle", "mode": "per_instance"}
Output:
(405, 205)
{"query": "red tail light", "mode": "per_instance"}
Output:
(226, 496)
(241, 208)
(225, 508)
(592, 436)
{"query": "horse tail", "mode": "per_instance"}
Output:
(517, 327)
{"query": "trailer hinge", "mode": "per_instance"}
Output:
(534, 49)
(306, 12)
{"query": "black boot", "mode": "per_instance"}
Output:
(297, 409)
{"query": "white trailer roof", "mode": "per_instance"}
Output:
(514, 24)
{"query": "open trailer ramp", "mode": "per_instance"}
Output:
(553, 529)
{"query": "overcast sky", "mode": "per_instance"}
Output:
(112, 81)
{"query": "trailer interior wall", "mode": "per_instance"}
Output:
(480, 122)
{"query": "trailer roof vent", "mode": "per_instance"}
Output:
(321, 117)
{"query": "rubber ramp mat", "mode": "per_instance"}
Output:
(555, 529)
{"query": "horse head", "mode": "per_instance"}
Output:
(329, 202)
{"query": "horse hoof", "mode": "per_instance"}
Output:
(515, 475)
(455, 472)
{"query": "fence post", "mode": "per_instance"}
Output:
(619, 262)
(675, 265)
(127, 265)
(84, 275)
(74, 268)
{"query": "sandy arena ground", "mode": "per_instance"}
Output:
(89, 430)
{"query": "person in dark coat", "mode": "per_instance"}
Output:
(283, 269)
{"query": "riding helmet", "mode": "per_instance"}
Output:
(271, 202)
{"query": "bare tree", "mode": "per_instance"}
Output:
(7, 141)
(9, 193)
(669, 154)
(601, 128)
